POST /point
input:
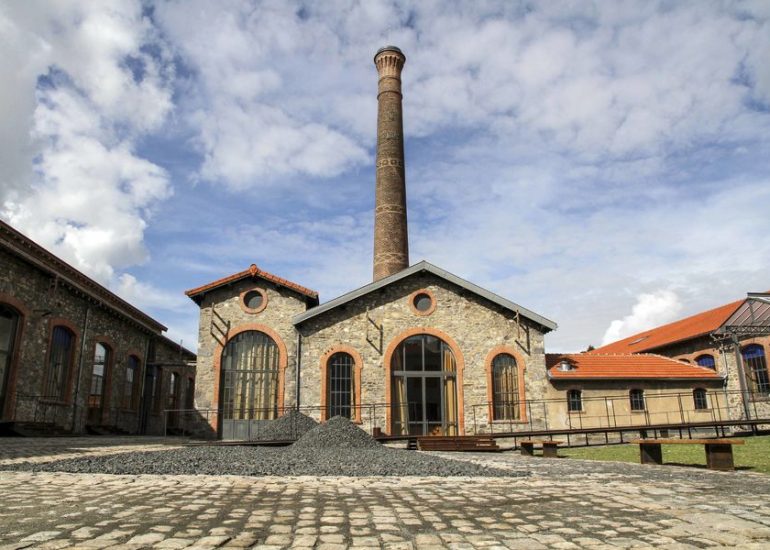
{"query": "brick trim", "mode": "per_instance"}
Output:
(283, 360)
(521, 366)
(247, 309)
(10, 388)
(459, 361)
(357, 370)
(414, 295)
(69, 325)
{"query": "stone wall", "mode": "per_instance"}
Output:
(607, 403)
(474, 324)
(43, 304)
(222, 315)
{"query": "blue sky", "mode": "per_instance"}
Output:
(604, 164)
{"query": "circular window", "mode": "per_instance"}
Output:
(422, 302)
(254, 301)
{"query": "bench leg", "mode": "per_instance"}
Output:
(527, 449)
(650, 453)
(719, 456)
(549, 450)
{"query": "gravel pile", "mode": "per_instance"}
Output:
(291, 425)
(337, 448)
(337, 433)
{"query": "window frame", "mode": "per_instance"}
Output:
(128, 400)
(571, 400)
(758, 389)
(65, 394)
(635, 398)
(700, 397)
(712, 366)
(513, 406)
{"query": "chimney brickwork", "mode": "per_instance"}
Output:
(391, 241)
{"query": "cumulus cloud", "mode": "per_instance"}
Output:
(650, 310)
(86, 91)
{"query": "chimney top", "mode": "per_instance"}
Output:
(389, 49)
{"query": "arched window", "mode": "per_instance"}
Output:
(505, 388)
(700, 400)
(250, 369)
(636, 398)
(60, 358)
(684, 360)
(102, 355)
(424, 387)
(130, 382)
(340, 385)
(706, 361)
(9, 322)
(173, 392)
(574, 400)
(756, 368)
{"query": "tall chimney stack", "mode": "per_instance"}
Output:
(391, 242)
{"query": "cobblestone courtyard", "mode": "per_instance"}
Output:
(562, 504)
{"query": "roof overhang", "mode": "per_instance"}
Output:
(425, 267)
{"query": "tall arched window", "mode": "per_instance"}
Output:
(9, 322)
(101, 361)
(700, 400)
(636, 398)
(505, 388)
(130, 382)
(756, 368)
(250, 369)
(340, 385)
(706, 361)
(60, 358)
(424, 387)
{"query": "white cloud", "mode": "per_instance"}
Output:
(650, 310)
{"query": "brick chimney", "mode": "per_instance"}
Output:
(391, 242)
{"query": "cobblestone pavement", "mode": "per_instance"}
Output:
(563, 504)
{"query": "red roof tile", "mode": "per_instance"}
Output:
(625, 366)
(684, 329)
(255, 272)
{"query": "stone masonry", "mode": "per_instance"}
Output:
(475, 325)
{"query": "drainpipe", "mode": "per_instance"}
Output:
(80, 367)
(299, 363)
(742, 377)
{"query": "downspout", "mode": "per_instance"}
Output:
(299, 363)
(143, 412)
(80, 367)
(742, 377)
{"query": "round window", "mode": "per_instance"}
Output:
(422, 302)
(253, 299)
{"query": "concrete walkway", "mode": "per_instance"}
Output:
(562, 504)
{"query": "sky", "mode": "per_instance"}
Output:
(604, 164)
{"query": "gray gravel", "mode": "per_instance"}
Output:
(337, 448)
(288, 427)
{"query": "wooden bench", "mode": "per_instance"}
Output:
(719, 452)
(549, 447)
(457, 443)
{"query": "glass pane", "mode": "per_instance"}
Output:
(413, 353)
(433, 399)
(414, 398)
(432, 353)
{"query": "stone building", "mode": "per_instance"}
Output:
(420, 351)
(75, 357)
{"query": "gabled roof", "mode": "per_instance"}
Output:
(424, 266)
(197, 294)
(640, 366)
(696, 325)
(32, 253)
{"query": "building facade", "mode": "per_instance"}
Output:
(75, 356)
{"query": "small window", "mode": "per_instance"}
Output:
(171, 402)
(340, 397)
(700, 399)
(98, 374)
(422, 302)
(130, 382)
(706, 361)
(637, 400)
(575, 400)
(254, 300)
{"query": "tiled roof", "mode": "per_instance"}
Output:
(624, 366)
(253, 271)
(684, 329)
